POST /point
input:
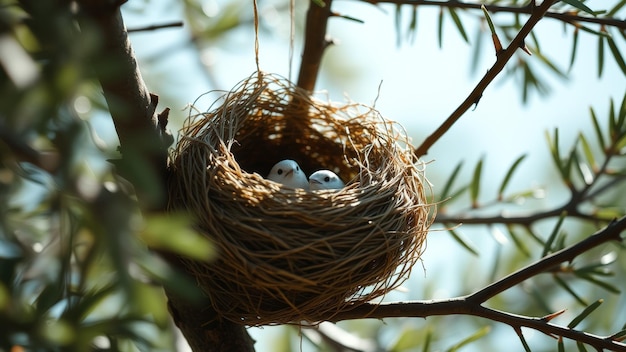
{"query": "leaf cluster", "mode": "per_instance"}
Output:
(75, 270)
(604, 24)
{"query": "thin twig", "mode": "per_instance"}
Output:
(472, 304)
(155, 27)
(569, 17)
(502, 58)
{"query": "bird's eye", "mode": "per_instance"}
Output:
(297, 168)
(327, 178)
(280, 171)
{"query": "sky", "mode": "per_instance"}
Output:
(420, 85)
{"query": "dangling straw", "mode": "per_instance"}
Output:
(292, 30)
(256, 38)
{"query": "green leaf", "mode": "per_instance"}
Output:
(174, 233)
(489, 21)
(605, 285)
(601, 40)
(554, 151)
(580, 5)
(613, 127)
(508, 176)
(458, 23)
(590, 308)
(440, 28)
(429, 337)
(521, 246)
(574, 49)
(616, 54)
(548, 246)
(475, 185)
(616, 8)
(448, 186)
(581, 346)
(597, 128)
(462, 242)
(591, 160)
(561, 346)
(406, 340)
(567, 288)
(412, 32)
(398, 25)
(475, 336)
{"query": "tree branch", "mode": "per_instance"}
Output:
(472, 304)
(569, 17)
(144, 142)
(502, 58)
(315, 43)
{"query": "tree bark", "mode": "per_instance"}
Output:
(143, 143)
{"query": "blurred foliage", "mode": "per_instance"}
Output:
(75, 270)
(529, 72)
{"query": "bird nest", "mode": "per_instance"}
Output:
(289, 255)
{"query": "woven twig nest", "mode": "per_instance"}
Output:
(289, 255)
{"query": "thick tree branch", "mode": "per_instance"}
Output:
(472, 304)
(569, 17)
(503, 58)
(144, 142)
(315, 42)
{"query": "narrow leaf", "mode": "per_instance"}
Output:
(616, 8)
(448, 186)
(581, 346)
(429, 337)
(398, 24)
(475, 185)
(463, 243)
(567, 288)
(574, 49)
(580, 5)
(412, 31)
(590, 308)
(605, 285)
(508, 176)
(475, 336)
(494, 36)
(554, 151)
(616, 54)
(458, 23)
(600, 55)
(440, 29)
(548, 246)
(521, 246)
(597, 128)
(591, 160)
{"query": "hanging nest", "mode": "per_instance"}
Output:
(289, 255)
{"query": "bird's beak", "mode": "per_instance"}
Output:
(315, 181)
(289, 173)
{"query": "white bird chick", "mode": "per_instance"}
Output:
(288, 173)
(325, 179)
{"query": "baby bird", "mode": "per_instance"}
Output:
(325, 179)
(288, 173)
